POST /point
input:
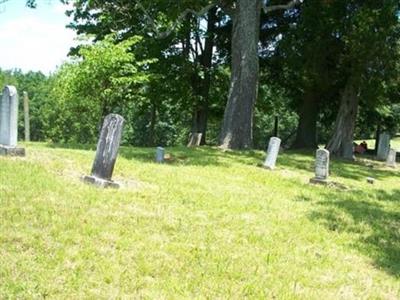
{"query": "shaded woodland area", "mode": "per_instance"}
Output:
(329, 70)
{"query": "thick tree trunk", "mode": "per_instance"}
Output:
(307, 128)
(237, 126)
(152, 127)
(341, 142)
(200, 113)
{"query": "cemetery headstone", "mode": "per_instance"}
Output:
(272, 153)
(160, 155)
(106, 153)
(195, 139)
(391, 159)
(384, 146)
(321, 167)
(9, 123)
(348, 151)
(26, 117)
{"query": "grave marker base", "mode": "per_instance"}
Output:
(11, 151)
(316, 180)
(102, 183)
(268, 167)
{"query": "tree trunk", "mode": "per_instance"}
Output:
(341, 143)
(377, 134)
(200, 113)
(306, 136)
(152, 127)
(237, 126)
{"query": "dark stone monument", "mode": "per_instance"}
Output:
(106, 153)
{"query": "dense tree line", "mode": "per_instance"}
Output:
(328, 69)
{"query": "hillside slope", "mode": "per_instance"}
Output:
(208, 224)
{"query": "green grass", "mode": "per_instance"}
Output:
(208, 224)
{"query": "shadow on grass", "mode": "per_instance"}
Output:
(373, 218)
(180, 156)
(358, 170)
(71, 146)
(200, 156)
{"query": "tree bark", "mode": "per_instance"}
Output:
(200, 113)
(237, 126)
(306, 136)
(341, 142)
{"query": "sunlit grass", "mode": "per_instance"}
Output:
(207, 224)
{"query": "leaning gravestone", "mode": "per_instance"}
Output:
(321, 167)
(160, 155)
(383, 146)
(195, 139)
(391, 159)
(272, 153)
(106, 153)
(9, 123)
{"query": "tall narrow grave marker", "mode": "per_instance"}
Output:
(106, 153)
(9, 122)
(384, 146)
(391, 159)
(272, 153)
(26, 118)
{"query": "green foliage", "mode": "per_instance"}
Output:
(105, 78)
(37, 85)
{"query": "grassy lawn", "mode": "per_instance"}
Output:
(206, 225)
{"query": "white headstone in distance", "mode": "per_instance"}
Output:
(9, 122)
(383, 146)
(160, 155)
(272, 153)
(321, 167)
(391, 159)
(9, 117)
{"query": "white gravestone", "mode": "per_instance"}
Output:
(9, 122)
(272, 153)
(321, 167)
(391, 159)
(195, 139)
(383, 146)
(107, 152)
(160, 155)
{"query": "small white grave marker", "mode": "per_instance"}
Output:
(272, 153)
(321, 167)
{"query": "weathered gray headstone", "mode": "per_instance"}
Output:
(26, 117)
(391, 159)
(348, 151)
(106, 153)
(272, 153)
(160, 155)
(321, 167)
(9, 123)
(383, 146)
(195, 139)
